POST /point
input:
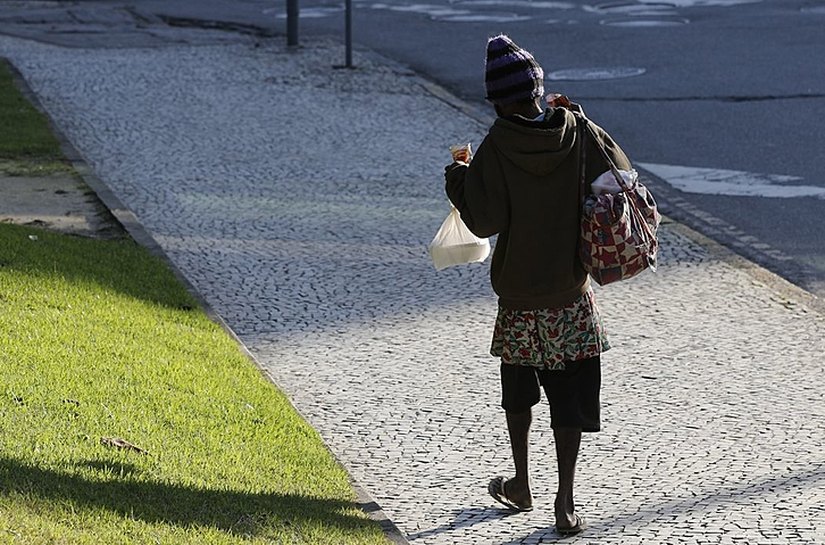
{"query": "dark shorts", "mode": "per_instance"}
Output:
(573, 393)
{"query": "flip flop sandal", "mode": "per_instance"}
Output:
(496, 490)
(579, 527)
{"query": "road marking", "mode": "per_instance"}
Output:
(629, 8)
(702, 3)
(538, 4)
(479, 18)
(441, 12)
(433, 10)
(308, 13)
(736, 183)
(657, 7)
(644, 23)
(594, 74)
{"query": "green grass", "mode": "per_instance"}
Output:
(100, 340)
(27, 146)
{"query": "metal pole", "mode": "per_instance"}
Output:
(291, 22)
(349, 33)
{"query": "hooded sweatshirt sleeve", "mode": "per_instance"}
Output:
(611, 148)
(479, 193)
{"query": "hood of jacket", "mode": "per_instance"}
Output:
(537, 147)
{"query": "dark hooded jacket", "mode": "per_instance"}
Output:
(523, 184)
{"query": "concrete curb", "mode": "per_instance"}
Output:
(785, 289)
(211, 24)
(130, 223)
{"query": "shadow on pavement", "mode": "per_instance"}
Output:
(465, 518)
(743, 496)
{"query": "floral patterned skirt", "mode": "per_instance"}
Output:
(549, 337)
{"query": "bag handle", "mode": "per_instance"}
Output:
(585, 122)
(582, 159)
(586, 128)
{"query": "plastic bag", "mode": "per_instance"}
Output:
(606, 182)
(454, 244)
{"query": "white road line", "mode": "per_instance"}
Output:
(490, 18)
(713, 181)
(308, 13)
(701, 3)
(538, 4)
(445, 12)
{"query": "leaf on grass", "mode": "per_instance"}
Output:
(123, 444)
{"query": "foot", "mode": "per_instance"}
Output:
(566, 517)
(577, 527)
(511, 493)
(518, 492)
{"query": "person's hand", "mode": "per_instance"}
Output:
(454, 165)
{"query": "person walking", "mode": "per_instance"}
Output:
(523, 185)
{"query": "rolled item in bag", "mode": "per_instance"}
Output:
(455, 244)
(607, 182)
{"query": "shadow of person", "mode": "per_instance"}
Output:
(725, 499)
(543, 535)
(463, 518)
(134, 497)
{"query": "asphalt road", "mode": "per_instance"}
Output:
(731, 91)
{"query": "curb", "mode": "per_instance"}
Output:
(752, 253)
(130, 223)
(784, 288)
(122, 214)
(211, 24)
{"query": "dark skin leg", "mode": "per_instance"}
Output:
(567, 451)
(567, 441)
(518, 488)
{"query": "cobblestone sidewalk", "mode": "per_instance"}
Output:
(299, 200)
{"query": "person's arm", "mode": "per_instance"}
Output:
(478, 192)
(613, 150)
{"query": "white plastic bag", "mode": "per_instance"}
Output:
(606, 182)
(454, 244)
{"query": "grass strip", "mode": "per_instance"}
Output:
(27, 146)
(100, 341)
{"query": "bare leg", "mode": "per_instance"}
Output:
(567, 451)
(518, 488)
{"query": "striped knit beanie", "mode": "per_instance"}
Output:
(512, 73)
